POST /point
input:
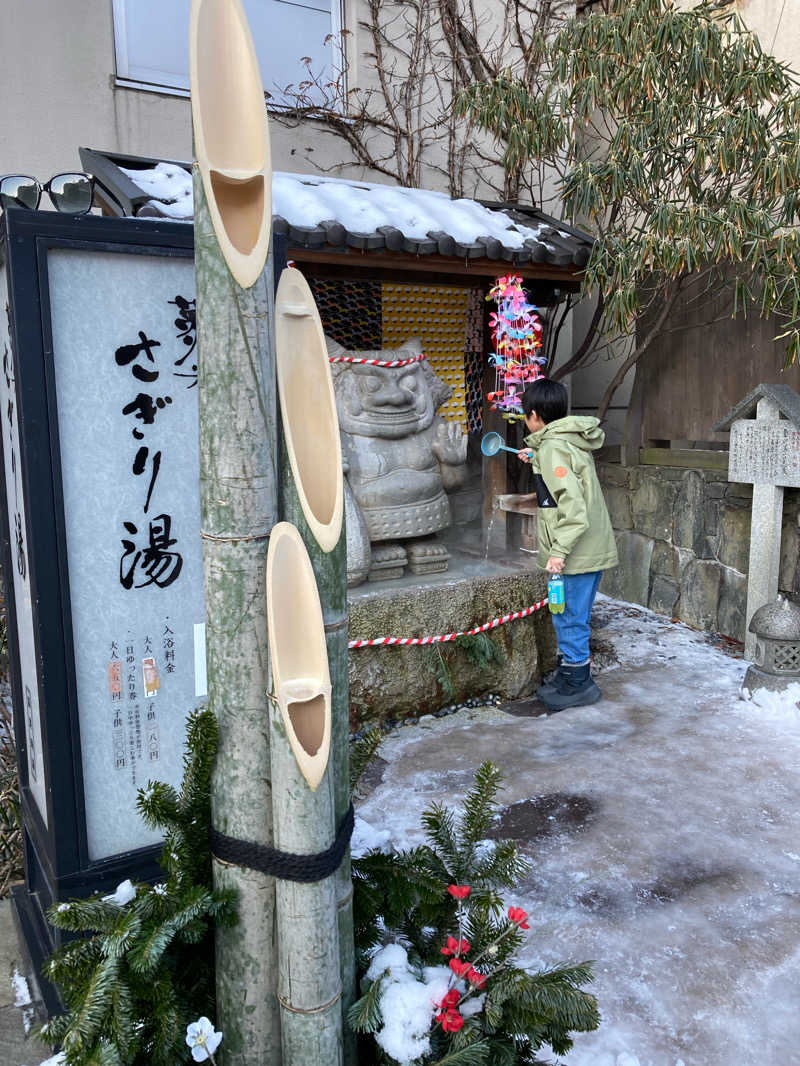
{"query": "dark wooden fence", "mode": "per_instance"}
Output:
(701, 368)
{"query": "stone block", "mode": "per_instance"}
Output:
(618, 501)
(613, 474)
(651, 506)
(664, 595)
(739, 491)
(631, 579)
(698, 604)
(715, 490)
(400, 682)
(711, 512)
(733, 543)
(689, 525)
(669, 561)
(732, 604)
(671, 473)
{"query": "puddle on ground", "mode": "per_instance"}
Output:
(683, 880)
(544, 816)
(372, 776)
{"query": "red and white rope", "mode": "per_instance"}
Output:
(376, 362)
(444, 637)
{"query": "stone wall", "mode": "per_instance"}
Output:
(396, 682)
(684, 541)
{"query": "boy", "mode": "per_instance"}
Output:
(575, 535)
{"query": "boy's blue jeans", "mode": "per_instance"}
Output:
(572, 625)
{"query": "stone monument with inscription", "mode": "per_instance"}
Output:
(764, 452)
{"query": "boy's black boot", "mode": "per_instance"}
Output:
(575, 688)
(550, 682)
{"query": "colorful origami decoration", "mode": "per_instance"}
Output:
(517, 334)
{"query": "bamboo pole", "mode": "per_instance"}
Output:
(311, 494)
(300, 737)
(232, 211)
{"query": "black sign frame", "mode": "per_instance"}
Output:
(57, 863)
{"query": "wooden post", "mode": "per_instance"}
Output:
(765, 539)
(238, 485)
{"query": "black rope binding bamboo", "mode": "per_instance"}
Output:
(284, 864)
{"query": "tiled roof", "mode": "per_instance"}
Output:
(338, 213)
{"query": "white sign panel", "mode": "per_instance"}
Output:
(15, 501)
(765, 452)
(124, 353)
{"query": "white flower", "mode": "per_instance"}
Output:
(160, 889)
(202, 1039)
(126, 891)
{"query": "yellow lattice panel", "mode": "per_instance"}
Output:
(438, 315)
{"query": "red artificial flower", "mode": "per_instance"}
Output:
(450, 1000)
(519, 917)
(459, 967)
(451, 1020)
(459, 891)
(455, 947)
(475, 978)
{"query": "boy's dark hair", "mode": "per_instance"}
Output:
(547, 398)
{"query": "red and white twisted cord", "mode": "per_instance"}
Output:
(376, 362)
(443, 638)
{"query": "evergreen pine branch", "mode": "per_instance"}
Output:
(93, 915)
(147, 954)
(89, 1018)
(365, 1014)
(473, 1055)
(502, 865)
(158, 805)
(362, 753)
(103, 1054)
(481, 650)
(440, 829)
(480, 805)
(202, 739)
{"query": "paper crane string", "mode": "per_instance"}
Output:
(517, 335)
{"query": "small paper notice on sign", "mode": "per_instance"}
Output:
(115, 677)
(152, 682)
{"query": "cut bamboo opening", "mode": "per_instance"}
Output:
(308, 408)
(300, 674)
(231, 134)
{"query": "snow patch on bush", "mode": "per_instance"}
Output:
(407, 1002)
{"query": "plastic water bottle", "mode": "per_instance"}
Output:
(555, 594)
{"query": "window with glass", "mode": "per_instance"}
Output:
(152, 42)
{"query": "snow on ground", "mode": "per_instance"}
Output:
(662, 828)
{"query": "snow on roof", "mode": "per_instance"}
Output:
(317, 210)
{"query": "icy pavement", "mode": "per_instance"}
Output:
(662, 828)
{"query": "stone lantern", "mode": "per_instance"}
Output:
(777, 646)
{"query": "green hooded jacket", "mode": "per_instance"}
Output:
(578, 528)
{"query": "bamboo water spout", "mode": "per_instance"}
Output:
(312, 497)
(238, 483)
(309, 982)
(308, 409)
(300, 678)
(231, 134)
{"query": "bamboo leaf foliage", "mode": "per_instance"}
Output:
(677, 138)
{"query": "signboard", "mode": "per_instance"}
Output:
(124, 358)
(20, 577)
(765, 452)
